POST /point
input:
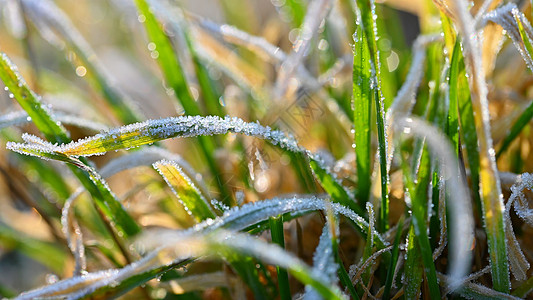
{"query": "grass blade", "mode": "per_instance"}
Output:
(418, 194)
(368, 18)
(151, 131)
(413, 267)
(362, 100)
(185, 190)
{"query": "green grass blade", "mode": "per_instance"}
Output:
(276, 231)
(362, 100)
(459, 87)
(419, 220)
(491, 191)
(185, 190)
(368, 17)
(455, 94)
(516, 129)
(419, 208)
(175, 78)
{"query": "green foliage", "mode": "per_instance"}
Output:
(292, 138)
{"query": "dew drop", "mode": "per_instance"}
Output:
(81, 71)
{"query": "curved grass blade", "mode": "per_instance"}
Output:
(55, 133)
(185, 190)
(362, 101)
(135, 135)
(175, 78)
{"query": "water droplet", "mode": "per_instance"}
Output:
(81, 71)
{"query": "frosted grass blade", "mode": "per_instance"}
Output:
(151, 131)
(112, 291)
(463, 228)
(324, 265)
(368, 17)
(185, 190)
(362, 101)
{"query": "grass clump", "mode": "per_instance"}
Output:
(320, 151)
